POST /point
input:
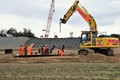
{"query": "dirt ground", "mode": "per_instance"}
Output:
(94, 66)
(70, 56)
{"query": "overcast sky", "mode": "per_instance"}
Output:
(33, 14)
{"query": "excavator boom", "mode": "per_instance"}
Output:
(83, 12)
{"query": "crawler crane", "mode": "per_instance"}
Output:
(50, 16)
(89, 40)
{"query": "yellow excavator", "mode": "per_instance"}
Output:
(90, 41)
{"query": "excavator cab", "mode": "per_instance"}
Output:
(85, 38)
(88, 38)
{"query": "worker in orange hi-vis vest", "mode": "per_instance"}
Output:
(60, 52)
(21, 50)
(29, 49)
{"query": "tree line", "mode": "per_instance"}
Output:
(112, 35)
(116, 35)
(13, 32)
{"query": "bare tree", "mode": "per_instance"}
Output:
(3, 33)
(12, 31)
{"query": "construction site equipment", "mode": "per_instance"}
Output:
(50, 15)
(89, 39)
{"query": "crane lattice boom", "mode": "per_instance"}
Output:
(47, 31)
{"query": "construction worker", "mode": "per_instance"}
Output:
(63, 47)
(47, 51)
(44, 49)
(29, 49)
(21, 50)
(60, 52)
(39, 50)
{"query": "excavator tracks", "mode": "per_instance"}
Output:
(85, 51)
(108, 52)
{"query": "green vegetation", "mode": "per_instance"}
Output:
(60, 71)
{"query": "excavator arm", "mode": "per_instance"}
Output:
(69, 12)
(83, 12)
